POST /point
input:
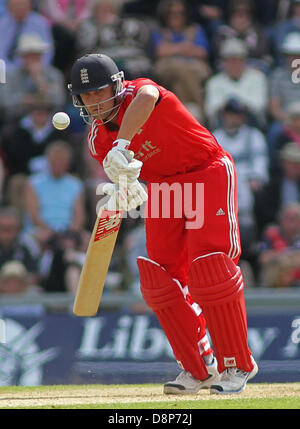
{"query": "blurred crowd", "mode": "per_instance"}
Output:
(235, 65)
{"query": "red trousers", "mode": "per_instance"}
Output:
(192, 215)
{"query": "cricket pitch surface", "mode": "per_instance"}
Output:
(136, 396)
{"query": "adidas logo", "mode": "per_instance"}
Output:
(220, 212)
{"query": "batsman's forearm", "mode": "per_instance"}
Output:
(136, 115)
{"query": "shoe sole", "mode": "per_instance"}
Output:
(175, 389)
(178, 389)
(215, 389)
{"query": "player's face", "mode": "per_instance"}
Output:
(99, 103)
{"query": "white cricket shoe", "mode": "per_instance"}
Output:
(186, 384)
(233, 380)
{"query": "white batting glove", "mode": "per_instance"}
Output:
(124, 198)
(137, 195)
(119, 162)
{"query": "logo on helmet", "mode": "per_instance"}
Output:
(84, 76)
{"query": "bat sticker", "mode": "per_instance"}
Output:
(108, 223)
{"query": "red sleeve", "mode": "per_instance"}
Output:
(99, 138)
(93, 144)
(92, 137)
(133, 86)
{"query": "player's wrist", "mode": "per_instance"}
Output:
(121, 144)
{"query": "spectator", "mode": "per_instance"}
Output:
(282, 189)
(242, 25)
(290, 133)
(54, 203)
(24, 143)
(125, 39)
(65, 16)
(180, 50)
(248, 148)
(67, 13)
(3, 7)
(14, 279)
(74, 250)
(15, 246)
(267, 14)
(3, 176)
(279, 31)
(140, 7)
(283, 90)
(23, 148)
(63, 255)
(237, 80)
(280, 250)
(54, 199)
(211, 14)
(20, 19)
(33, 82)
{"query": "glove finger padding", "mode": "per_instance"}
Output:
(136, 195)
(122, 198)
(137, 190)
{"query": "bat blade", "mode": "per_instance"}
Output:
(92, 278)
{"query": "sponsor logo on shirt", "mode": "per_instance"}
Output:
(146, 151)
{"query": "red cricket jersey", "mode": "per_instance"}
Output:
(170, 142)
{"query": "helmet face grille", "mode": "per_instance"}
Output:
(111, 113)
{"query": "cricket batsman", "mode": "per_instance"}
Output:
(191, 280)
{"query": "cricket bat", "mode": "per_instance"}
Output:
(97, 260)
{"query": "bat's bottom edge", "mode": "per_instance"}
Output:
(79, 314)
